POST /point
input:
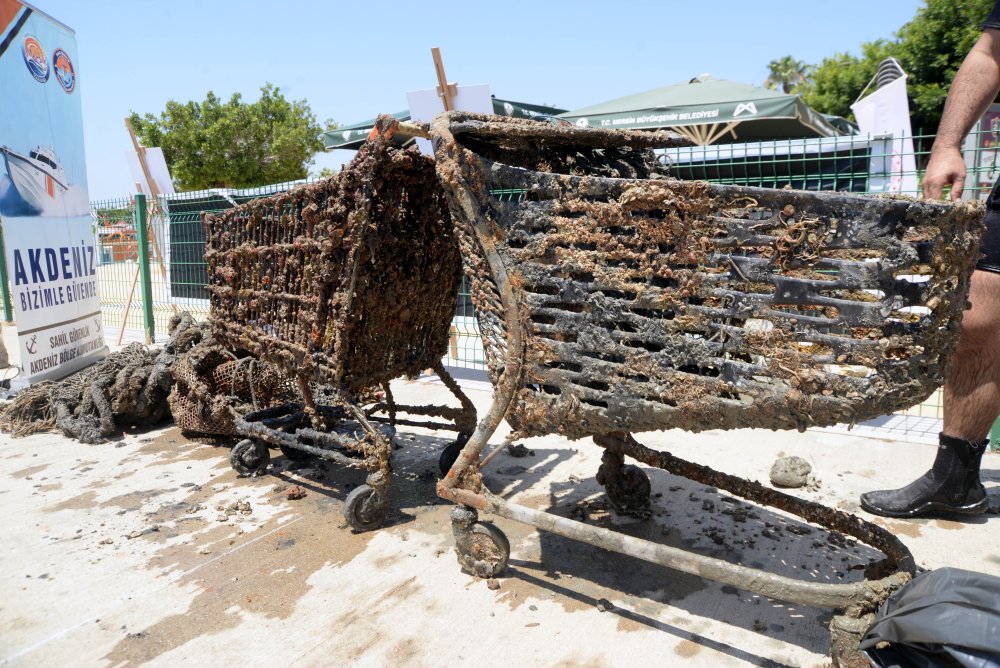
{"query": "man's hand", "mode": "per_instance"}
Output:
(946, 168)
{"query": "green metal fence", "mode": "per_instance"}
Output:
(177, 272)
(175, 250)
(118, 263)
(465, 348)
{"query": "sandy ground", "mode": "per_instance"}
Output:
(137, 551)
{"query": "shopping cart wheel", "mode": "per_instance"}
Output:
(250, 457)
(485, 553)
(450, 453)
(364, 509)
(629, 491)
(294, 454)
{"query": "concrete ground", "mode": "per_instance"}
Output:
(150, 549)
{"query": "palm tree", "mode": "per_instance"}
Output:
(787, 73)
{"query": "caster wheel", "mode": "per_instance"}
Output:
(250, 458)
(629, 491)
(364, 509)
(450, 454)
(486, 552)
(294, 454)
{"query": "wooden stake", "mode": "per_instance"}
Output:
(140, 152)
(444, 89)
(128, 307)
(154, 196)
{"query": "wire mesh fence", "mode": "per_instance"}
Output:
(860, 163)
(118, 263)
(177, 269)
(465, 348)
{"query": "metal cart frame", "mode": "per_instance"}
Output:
(766, 338)
(344, 284)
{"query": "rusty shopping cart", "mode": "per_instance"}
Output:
(614, 299)
(343, 285)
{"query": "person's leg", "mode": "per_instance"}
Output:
(971, 405)
(972, 389)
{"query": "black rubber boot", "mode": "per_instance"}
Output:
(951, 486)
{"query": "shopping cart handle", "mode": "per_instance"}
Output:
(387, 127)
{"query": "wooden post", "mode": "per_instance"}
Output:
(154, 193)
(154, 196)
(446, 90)
(140, 152)
(128, 306)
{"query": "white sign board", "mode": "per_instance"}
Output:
(44, 209)
(158, 171)
(426, 104)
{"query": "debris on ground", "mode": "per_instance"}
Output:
(234, 508)
(790, 472)
(519, 450)
(296, 493)
(143, 532)
(191, 378)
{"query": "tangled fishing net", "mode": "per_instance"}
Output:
(127, 388)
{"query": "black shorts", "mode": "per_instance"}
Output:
(991, 239)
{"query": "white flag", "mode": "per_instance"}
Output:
(887, 111)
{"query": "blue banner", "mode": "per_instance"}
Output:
(44, 208)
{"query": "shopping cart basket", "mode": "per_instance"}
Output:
(614, 299)
(343, 285)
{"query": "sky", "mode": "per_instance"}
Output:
(352, 61)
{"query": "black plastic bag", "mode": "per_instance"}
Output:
(948, 617)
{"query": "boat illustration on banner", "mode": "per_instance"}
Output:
(38, 177)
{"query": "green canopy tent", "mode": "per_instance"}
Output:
(353, 136)
(707, 111)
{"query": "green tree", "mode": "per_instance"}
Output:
(930, 47)
(234, 144)
(787, 73)
(837, 81)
